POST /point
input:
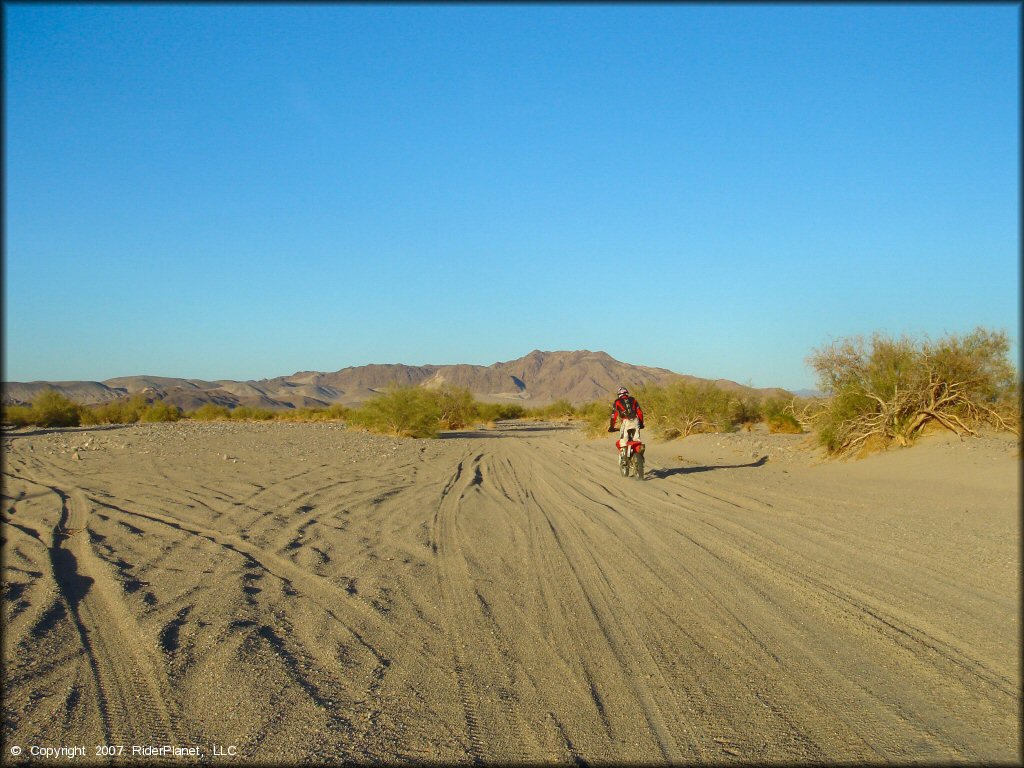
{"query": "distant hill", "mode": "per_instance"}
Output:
(809, 393)
(536, 379)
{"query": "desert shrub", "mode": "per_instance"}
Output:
(491, 412)
(18, 415)
(889, 390)
(745, 410)
(486, 412)
(88, 416)
(560, 409)
(511, 411)
(121, 411)
(336, 412)
(596, 416)
(52, 409)
(779, 415)
(249, 413)
(299, 414)
(401, 411)
(456, 405)
(129, 410)
(679, 408)
(160, 411)
(210, 412)
(593, 409)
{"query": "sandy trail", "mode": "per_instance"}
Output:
(305, 593)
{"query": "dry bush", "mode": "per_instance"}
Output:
(889, 390)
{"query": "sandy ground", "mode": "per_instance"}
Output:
(303, 593)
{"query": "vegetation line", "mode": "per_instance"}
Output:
(877, 393)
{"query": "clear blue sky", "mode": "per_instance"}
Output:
(246, 191)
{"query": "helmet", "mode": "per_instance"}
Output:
(622, 391)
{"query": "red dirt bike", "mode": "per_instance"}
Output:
(631, 456)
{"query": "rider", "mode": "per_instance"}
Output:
(631, 418)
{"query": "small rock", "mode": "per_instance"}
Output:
(75, 456)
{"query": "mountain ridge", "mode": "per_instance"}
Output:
(537, 378)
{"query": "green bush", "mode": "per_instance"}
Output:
(210, 412)
(52, 409)
(121, 411)
(456, 405)
(248, 413)
(18, 415)
(88, 416)
(336, 412)
(401, 411)
(298, 414)
(745, 410)
(779, 415)
(560, 409)
(890, 390)
(596, 416)
(492, 412)
(679, 408)
(160, 411)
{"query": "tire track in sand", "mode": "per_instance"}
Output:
(132, 695)
(627, 646)
(317, 589)
(495, 728)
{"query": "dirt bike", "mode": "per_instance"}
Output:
(631, 456)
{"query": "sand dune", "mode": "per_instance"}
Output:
(300, 592)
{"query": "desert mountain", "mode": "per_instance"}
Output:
(536, 379)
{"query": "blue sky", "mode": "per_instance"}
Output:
(245, 191)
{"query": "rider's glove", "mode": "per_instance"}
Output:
(611, 429)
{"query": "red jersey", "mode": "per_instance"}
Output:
(623, 405)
